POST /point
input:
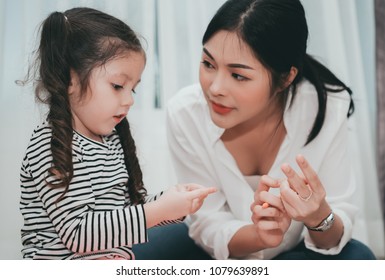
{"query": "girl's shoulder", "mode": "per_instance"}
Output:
(39, 144)
(41, 131)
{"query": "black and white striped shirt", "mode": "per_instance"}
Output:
(94, 218)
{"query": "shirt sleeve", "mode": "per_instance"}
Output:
(150, 198)
(82, 229)
(337, 177)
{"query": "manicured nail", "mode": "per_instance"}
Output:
(265, 205)
(301, 159)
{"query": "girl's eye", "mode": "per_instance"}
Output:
(133, 90)
(116, 86)
(239, 77)
(207, 64)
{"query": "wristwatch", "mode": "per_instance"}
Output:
(325, 224)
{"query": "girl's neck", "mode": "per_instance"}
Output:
(96, 138)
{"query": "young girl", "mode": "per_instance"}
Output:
(82, 195)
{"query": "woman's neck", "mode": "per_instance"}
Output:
(255, 144)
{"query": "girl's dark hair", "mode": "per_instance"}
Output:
(81, 39)
(277, 32)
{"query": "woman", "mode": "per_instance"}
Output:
(268, 126)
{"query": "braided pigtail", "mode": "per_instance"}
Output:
(135, 181)
(54, 80)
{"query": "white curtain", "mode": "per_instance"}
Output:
(173, 30)
(342, 36)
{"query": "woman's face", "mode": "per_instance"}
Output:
(236, 85)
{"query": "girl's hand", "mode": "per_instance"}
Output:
(182, 200)
(268, 214)
(304, 197)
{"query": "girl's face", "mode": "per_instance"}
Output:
(108, 97)
(236, 85)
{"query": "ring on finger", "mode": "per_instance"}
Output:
(307, 197)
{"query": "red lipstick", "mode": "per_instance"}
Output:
(220, 109)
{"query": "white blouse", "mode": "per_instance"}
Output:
(200, 156)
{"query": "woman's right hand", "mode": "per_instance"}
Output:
(268, 213)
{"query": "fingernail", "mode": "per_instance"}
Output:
(265, 205)
(301, 159)
(286, 167)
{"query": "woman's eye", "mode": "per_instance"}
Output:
(207, 64)
(239, 77)
(116, 86)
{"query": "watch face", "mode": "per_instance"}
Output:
(325, 224)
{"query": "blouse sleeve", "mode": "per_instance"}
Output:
(337, 177)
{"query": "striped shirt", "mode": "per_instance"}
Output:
(94, 218)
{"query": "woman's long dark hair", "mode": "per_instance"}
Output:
(81, 39)
(277, 32)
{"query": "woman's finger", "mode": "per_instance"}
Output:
(289, 197)
(309, 173)
(266, 182)
(296, 182)
(271, 200)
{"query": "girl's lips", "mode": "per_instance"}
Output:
(119, 118)
(220, 109)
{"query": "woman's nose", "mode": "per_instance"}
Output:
(218, 85)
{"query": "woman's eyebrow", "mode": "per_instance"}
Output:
(232, 65)
(208, 53)
(238, 65)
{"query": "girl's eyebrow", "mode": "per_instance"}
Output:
(231, 65)
(122, 74)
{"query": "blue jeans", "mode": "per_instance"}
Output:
(173, 243)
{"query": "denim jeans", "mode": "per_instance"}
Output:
(173, 243)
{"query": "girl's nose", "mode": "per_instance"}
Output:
(127, 99)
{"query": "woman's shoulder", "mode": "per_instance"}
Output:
(301, 114)
(308, 93)
(187, 101)
(306, 102)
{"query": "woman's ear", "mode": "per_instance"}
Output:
(74, 85)
(291, 76)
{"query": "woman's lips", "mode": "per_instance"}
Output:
(220, 109)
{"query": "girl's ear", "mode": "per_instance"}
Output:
(74, 85)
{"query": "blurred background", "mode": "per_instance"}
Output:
(342, 36)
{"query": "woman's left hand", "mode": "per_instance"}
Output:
(304, 197)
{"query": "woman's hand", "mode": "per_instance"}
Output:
(268, 214)
(304, 197)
